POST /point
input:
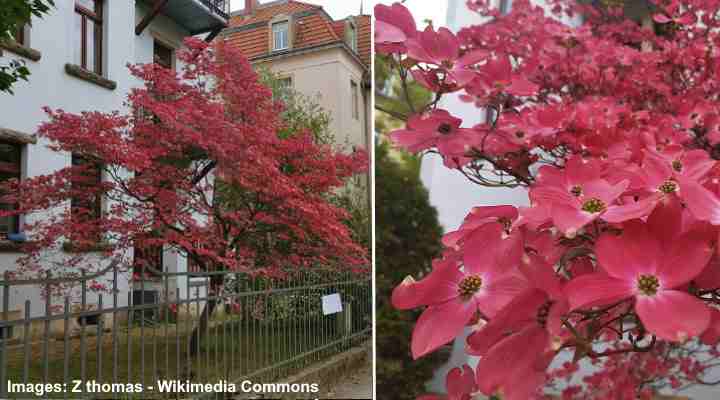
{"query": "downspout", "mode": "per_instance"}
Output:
(367, 128)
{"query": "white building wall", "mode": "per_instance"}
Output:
(49, 85)
(327, 75)
(454, 195)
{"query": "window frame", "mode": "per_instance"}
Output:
(355, 99)
(273, 32)
(159, 43)
(97, 18)
(353, 36)
(280, 90)
(143, 255)
(97, 211)
(288, 79)
(15, 169)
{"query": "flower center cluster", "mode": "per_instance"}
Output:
(594, 205)
(543, 312)
(519, 134)
(445, 128)
(648, 284)
(576, 191)
(677, 165)
(569, 42)
(668, 187)
(505, 222)
(469, 286)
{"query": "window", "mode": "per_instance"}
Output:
(355, 100)
(147, 255)
(164, 55)
(282, 89)
(192, 264)
(504, 6)
(281, 35)
(10, 167)
(285, 83)
(87, 181)
(88, 34)
(352, 36)
(6, 333)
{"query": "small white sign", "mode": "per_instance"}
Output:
(331, 304)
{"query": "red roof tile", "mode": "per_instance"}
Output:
(364, 42)
(265, 12)
(312, 25)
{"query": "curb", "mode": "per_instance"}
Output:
(325, 374)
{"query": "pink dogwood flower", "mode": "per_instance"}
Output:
(684, 19)
(460, 384)
(674, 13)
(651, 270)
(435, 129)
(498, 75)
(520, 341)
(393, 26)
(456, 292)
(578, 199)
(479, 217)
(679, 174)
(442, 49)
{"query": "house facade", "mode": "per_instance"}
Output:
(315, 55)
(78, 56)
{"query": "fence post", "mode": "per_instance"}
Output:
(46, 333)
(3, 348)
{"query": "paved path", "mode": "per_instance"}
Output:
(357, 385)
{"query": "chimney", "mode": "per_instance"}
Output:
(250, 6)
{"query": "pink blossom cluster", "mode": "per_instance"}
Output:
(612, 126)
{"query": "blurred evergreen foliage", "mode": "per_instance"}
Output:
(407, 239)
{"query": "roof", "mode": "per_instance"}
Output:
(313, 28)
(364, 35)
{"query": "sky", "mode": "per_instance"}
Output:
(338, 9)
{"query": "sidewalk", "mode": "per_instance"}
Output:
(357, 385)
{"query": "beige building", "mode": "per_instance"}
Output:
(315, 55)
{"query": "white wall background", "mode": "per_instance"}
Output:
(451, 193)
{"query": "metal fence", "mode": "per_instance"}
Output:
(263, 330)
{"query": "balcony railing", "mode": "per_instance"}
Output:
(220, 7)
(197, 16)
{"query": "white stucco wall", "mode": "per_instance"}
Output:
(50, 85)
(327, 74)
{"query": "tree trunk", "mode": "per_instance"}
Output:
(201, 327)
(207, 312)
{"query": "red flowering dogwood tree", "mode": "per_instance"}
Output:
(195, 165)
(607, 113)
